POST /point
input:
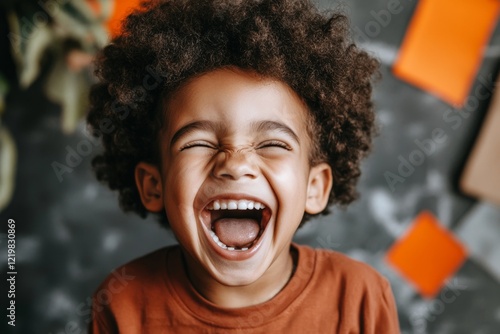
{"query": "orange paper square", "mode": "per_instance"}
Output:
(121, 10)
(444, 44)
(427, 255)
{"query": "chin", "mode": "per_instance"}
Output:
(238, 277)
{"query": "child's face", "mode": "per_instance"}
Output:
(232, 138)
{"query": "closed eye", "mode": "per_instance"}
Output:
(198, 144)
(274, 143)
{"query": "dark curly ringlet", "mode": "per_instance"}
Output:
(166, 43)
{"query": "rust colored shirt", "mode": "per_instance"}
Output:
(328, 293)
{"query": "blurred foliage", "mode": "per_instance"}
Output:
(8, 152)
(4, 89)
(56, 38)
(8, 159)
(67, 34)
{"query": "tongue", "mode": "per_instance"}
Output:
(237, 232)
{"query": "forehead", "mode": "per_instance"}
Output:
(231, 96)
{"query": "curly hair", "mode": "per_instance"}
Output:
(166, 43)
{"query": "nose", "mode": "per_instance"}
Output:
(235, 165)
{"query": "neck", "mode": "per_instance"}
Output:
(260, 291)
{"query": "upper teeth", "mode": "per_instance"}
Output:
(243, 204)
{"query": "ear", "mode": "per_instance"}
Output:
(148, 181)
(318, 188)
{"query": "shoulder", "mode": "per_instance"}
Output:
(350, 273)
(128, 291)
(363, 297)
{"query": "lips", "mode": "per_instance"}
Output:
(236, 225)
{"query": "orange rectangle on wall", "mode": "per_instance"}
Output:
(120, 11)
(444, 44)
(427, 255)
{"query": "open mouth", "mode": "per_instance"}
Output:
(236, 225)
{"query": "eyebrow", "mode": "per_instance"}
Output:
(192, 127)
(209, 126)
(265, 126)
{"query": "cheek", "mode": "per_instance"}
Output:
(182, 181)
(289, 181)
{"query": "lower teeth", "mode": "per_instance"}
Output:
(224, 246)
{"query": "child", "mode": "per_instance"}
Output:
(235, 122)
